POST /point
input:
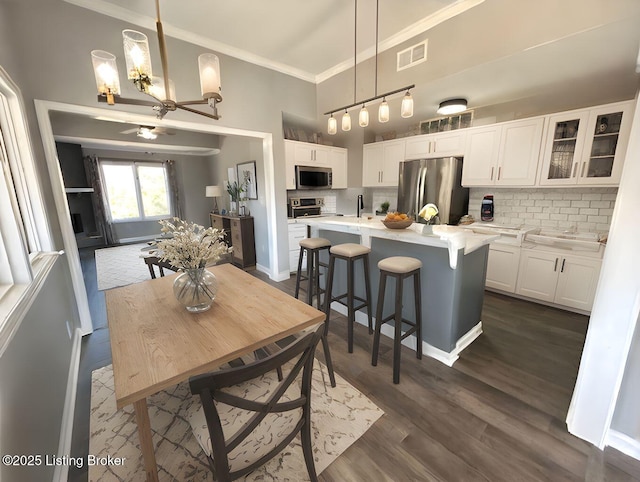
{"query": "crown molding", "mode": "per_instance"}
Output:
(105, 8)
(144, 21)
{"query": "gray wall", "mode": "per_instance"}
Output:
(33, 376)
(193, 175)
(236, 150)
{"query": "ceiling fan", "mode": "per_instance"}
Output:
(149, 132)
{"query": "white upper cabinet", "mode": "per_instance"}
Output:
(503, 154)
(338, 163)
(586, 147)
(436, 145)
(480, 156)
(519, 151)
(306, 154)
(381, 163)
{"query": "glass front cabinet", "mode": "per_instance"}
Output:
(586, 146)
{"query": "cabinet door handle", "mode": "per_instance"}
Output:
(381, 176)
(555, 266)
(575, 165)
(491, 174)
(584, 164)
(562, 267)
(499, 170)
(434, 146)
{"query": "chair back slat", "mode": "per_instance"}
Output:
(210, 388)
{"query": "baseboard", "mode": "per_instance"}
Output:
(623, 443)
(448, 358)
(138, 239)
(61, 471)
(280, 276)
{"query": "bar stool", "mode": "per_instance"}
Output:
(350, 252)
(398, 267)
(312, 246)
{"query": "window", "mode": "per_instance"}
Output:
(24, 230)
(136, 191)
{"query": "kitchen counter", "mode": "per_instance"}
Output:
(454, 263)
(453, 238)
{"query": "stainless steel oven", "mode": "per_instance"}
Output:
(304, 206)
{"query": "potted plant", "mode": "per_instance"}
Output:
(235, 191)
(384, 207)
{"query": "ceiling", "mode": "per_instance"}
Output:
(537, 57)
(309, 39)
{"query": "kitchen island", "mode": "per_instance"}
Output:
(454, 264)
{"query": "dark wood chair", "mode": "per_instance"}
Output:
(152, 261)
(225, 423)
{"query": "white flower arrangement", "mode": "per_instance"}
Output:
(189, 245)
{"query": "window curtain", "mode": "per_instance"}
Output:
(100, 209)
(174, 192)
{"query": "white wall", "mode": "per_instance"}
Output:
(626, 418)
(615, 313)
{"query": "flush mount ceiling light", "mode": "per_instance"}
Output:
(452, 106)
(406, 109)
(161, 89)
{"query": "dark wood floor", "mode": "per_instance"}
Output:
(496, 415)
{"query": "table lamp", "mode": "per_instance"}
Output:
(215, 192)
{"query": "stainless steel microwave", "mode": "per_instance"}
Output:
(310, 177)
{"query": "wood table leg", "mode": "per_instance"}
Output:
(146, 442)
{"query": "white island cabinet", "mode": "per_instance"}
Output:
(452, 276)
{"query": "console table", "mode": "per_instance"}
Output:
(239, 235)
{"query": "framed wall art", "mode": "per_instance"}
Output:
(247, 171)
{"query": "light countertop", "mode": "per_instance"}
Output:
(453, 238)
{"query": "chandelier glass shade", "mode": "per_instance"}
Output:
(160, 89)
(346, 122)
(332, 125)
(406, 109)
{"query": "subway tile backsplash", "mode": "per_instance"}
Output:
(589, 209)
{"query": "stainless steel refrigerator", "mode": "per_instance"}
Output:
(437, 181)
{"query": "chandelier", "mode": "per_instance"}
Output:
(160, 89)
(406, 109)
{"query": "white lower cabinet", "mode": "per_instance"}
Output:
(297, 232)
(556, 277)
(502, 267)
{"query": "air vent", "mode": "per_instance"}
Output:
(413, 55)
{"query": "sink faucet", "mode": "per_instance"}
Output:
(359, 205)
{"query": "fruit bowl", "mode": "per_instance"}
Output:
(405, 223)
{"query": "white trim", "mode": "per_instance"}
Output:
(144, 21)
(405, 34)
(61, 471)
(447, 358)
(625, 444)
(111, 145)
(42, 110)
(64, 218)
(28, 181)
(282, 276)
(21, 297)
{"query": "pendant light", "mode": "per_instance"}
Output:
(346, 121)
(406, 109)
(363, 117)
(332, 125)
(383, 111)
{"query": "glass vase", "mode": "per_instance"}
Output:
(195, 289)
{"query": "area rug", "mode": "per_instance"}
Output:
(339, 417)
(120, 266)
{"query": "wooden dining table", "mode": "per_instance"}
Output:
(156, 343)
